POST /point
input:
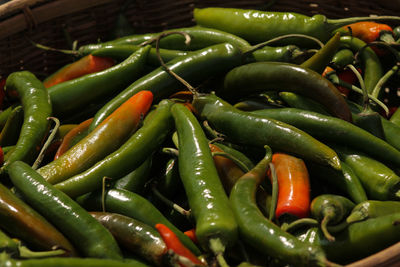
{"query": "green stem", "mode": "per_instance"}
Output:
(25, 252)
(218, 249)
(383, 80)
(169, 203)
(274, 200)
(324, 228)
(170, 151)
(298, 223)
(362, 85)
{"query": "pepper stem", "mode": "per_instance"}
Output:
(25, 252)
(324, 226)
(218, 249)
(298, 223)
(384, 79)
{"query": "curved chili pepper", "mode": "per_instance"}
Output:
(85, 65)
(247, 128)
(378, 180)
(262, 76)
(324, 56)
(293, 186)
(215, 222)
(197, 66)
(127, 157)
(262, 234)
(372, 209)
(342, 58)
(335, 130)
(173, 243)
(37, 108)
(86, 234)
(76, 94)
(330, 209)
(25, 223)
(68, 140)
(258, 26)
(201, 37)
(103, 140)
(135, 206)
(137, 237)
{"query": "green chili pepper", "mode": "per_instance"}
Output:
(396, 32)
(372, 209)
(73, 95)
(7, 244)
(195, 67)
(208, 201)
(346, 180)
(334, 130)
(262, 76)
(170, 181)
(122, 51)
(68, 262)
(378, 180)
(4, 114)
(127, 157)
(135, 206)
(395, 118)
(37, 108)
(87, 234)
(261, 233)
(136, 179)
(342, 58)
(301, 102)
(323, 57)
(201, 37)
(288, 53)
(257, 130)
(25, 223)
(330, 209)
(258, 26)
(362, 239)
(372, 67)
(391, 132)
(237, 154)
(11, 130)
(139, 238)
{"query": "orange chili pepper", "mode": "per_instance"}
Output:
(172, 242)
(192, 235)
(67, 141)
(293, 186)
(86, 65)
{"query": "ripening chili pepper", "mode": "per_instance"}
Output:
(330, 209)
(37, 108)
(22, 221)
(76, 94)
(197, 66)
(258, 130)
(379, 181)
(201, 38)
(129, 156)
(85, 65)
(135, 206)
(372, 209)
(293, 186)
(103, 140)
(227, 148)
(258, 26)
(84, 231)
(68, 140)
(262, 76)
(334, 130)
(139, 238)
(324, 56)
(261, 233)
(216, 227)
(191, 233)
(173, 243)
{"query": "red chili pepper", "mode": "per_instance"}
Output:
(68, 140)
(192, 235)
(86, 65)
(1, 156)
(345, 75)
(293, 186)
(172, 242)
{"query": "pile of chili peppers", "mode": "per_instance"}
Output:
(251, 139)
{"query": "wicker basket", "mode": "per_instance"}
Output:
(53, 23)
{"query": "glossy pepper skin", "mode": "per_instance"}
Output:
(22, 221)
(195, 67)
(86, 234)
(74, 95)
(262, 76)
(127, 157)
(102, 141)
(258, 26)
(245, 128)
(37, 107)
(207, 198)
(261, 233)
(372, 209)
